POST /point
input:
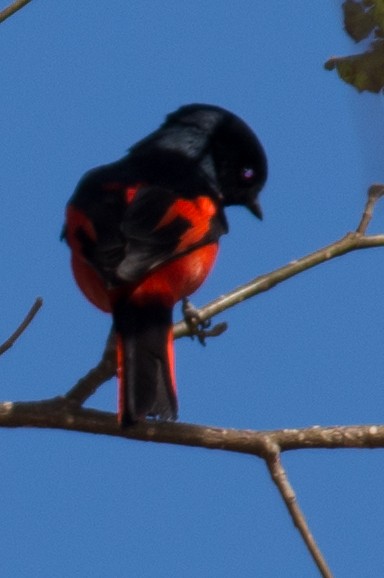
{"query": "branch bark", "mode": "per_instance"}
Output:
(59, 413)
(353, 241)
(22, 327)
(12, 8)
(280, 478)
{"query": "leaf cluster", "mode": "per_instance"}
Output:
(363, 20)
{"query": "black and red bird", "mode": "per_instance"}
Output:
(144, 234)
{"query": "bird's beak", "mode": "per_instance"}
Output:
(255, 209)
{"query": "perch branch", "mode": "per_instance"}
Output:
(351, 242)
(56, 413)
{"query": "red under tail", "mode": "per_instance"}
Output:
(146, 384)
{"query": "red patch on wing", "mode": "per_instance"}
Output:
(198, 212)
(168, 283)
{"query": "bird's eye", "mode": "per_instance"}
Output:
(247, 175)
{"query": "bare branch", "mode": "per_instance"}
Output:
(375, 192)
(288, 495)
(57, 413)
(22, 327)
(12, 8)
(351, 242)
(104, 370)
(198, 327)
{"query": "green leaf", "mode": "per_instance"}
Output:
(364, 71)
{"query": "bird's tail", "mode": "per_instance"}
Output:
(145, 362)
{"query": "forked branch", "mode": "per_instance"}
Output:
(67, 413)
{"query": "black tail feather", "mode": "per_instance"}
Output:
(145, 362)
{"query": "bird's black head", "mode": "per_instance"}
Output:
(228, 151)
(220, 145)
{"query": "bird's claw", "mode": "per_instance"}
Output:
(199, 327)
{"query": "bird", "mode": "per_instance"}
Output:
(143, 232)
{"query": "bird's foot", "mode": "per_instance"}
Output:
(200, 327)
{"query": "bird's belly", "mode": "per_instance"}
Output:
(177, 278)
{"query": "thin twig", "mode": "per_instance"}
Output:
(280, 478)
(351, 242)
(22, 327)
(12, 8)
(375, 192)
(104, 370)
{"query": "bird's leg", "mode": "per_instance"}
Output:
(198, 326)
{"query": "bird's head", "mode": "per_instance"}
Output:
(226, 149)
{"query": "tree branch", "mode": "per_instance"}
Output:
(62, 413)
(280, 478)
(67, 412)
(22, 327)
(104, 370)
(12, 8)
(59, 413)
(375, 192)
(351, 242)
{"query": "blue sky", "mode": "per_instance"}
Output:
(82, 83)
